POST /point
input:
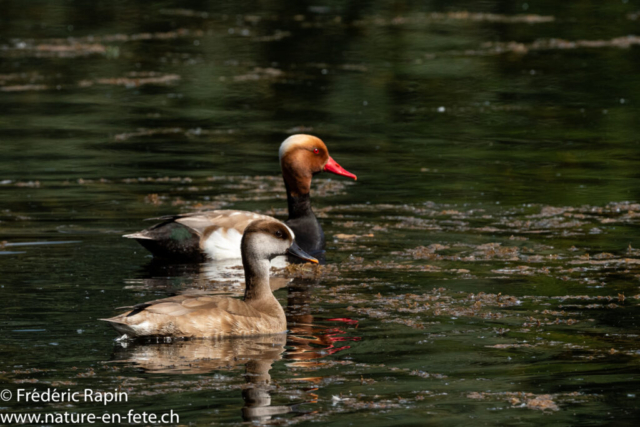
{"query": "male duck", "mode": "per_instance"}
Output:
(260, 313)
(216, 234)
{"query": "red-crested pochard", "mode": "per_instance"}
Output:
(216, 234)
(260, 313)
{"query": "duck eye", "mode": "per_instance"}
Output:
(316, 151)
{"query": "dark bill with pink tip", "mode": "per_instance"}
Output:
(296, 251)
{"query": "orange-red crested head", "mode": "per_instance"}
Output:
(301, 157)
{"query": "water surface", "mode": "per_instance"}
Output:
(483, 269)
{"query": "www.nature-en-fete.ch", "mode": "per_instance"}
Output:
(87, 396)
(131, 417)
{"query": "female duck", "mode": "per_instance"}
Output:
(259, 313)
(217, 234)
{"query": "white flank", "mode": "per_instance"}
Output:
(223, 244)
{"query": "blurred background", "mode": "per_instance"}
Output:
(512, 124)
(515, 102)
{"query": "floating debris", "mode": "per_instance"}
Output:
(416, 19)
(24, 88)
(538, 402)
(134, 79)
(558, 44)
(195, 132)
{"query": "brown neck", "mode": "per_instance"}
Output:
(297, 183)
(298, 187)
(256, 273)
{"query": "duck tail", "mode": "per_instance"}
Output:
(117, 319)
(119, 324)
(139, 235)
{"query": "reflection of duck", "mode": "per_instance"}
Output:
(306, 343)
(203, 356)
(210, 316)
(217, 234)
(257, 400)
(197, 356)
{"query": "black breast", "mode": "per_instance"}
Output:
(309, 235)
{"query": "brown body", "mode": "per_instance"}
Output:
(203, 317)
(190, 316)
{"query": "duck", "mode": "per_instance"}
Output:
(216, 234)
(205, 316)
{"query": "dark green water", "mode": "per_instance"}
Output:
(485, 256)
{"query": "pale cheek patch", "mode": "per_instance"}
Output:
(266, 246)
